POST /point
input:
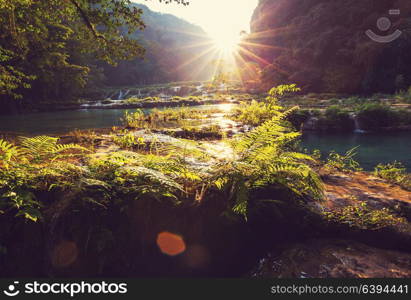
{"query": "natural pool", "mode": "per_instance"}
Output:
(374, 148)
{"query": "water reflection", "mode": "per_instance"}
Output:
(66, 121)
(373, 148)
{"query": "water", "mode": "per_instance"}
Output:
(61, 121)
(373, 148)
(66, 121)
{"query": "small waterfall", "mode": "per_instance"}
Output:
(357, 128)
(120, 95)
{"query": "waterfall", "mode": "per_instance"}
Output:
(120, 95)
(357, 128)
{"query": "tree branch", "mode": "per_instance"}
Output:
(87, 21)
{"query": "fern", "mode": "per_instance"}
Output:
(148, 183)
(266, 157)
(8, 152)
(41, 148)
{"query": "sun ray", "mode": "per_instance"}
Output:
(253, 55)
(206, 63)
(246, 65)
(262, 46)
(195, 58)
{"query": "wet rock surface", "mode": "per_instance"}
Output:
(325, 258)
(345, 252)
(348, 189)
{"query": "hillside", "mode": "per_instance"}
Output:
(171, 46)
(321, 45)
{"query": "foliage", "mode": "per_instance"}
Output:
(256, 113)
(344, 163)
(48, 31)
(264, 159)
(298, 118)
(363, 217)
(32, 166)
(66, 45)
(127, 140)
(43, 148)
(336, 120)
(134, 119)
(211, 132)
(160, 118)
(404, 96)
(375, 116)
(315, 54)
(7, 152)
(394, 173)
(144, 176)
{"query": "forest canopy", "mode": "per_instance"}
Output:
(54, 47)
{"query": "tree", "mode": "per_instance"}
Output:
(44, 45)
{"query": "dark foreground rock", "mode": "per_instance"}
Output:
(334, 258)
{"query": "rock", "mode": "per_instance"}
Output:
(324, 258)
(320, 38)
(310, 124)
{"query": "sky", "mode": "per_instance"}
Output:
(217, 17)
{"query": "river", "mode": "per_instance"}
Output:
(373, 148)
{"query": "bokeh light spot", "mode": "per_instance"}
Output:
(170, 243)
(64, 254)
(197, 257)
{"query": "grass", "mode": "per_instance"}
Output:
(128, 140)
(361, 216)
(342, 162)
(394, 173)
(160, 118)
(211, 132)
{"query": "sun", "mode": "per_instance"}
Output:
(226, 42)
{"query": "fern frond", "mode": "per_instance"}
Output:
(45, 147)
(8, 151)
(65, 147)
(38, 145)
(153, 176)
(297, 156)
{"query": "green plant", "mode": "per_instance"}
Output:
(8, 152)
(146, 176)
(256, 113)
(374, 116)
(198, 133)
(34, 165)
(336, 119)
(299, 117)
(394, 173)
(316, 154)
(363, 217)
(134, 120)
(345, 163)
(264, 158)
(127, 140)
(42, 148)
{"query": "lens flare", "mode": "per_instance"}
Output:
(170, 244)
(64, 254)
(226, 42)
